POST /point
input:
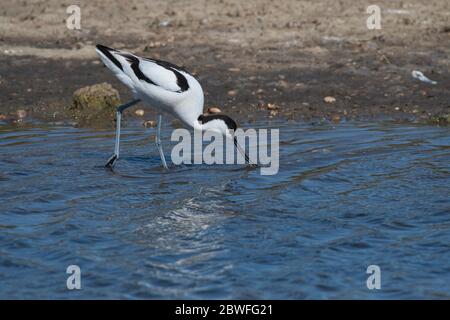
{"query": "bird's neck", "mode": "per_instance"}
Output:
(198, 126)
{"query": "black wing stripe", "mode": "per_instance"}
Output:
(134, 64)
(167, 65)
(106, 51)
(181, 80)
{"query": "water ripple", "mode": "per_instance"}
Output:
(346, 196)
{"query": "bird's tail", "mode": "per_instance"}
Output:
(115, 62)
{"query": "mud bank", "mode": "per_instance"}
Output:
(294, 60)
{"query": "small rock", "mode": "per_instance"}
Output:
(283, 84)
(273, 113)
(234, 69)
(21, 114)
(149, 123)
(95, 105)
(335, 118)
(272, 106)
(329, 99)
(213, 110)
(384, 59)
(165, 23)
(232, 93)
(440, 119)
(139, 112)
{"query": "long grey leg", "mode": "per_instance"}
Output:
(158, 142)
(112, 160)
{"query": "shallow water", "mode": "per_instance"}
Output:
(346, 197)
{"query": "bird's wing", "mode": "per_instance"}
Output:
(162, 74)
(148, 71)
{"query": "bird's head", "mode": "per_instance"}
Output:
(219, 123)
(224, 125)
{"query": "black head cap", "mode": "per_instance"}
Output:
(231, 124)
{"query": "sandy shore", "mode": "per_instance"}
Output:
(291, 54)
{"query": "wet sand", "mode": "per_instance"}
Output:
(289, 54)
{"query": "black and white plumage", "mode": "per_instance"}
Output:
(166, 87)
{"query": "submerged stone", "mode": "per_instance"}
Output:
(95, 105)
(440, 119)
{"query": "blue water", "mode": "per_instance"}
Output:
(347, 196)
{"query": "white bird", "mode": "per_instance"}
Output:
(167, 88)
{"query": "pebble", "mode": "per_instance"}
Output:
(335, 118)
(232, 93)
(139, 112)
(149, 123)
(165, 23)
(213, 110)
(272, 106)
(329, 99)
(21, 114)
(283, 84)
(273, 113)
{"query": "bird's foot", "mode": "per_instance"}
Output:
(111, 161)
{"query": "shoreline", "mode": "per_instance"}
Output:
(292, 94)
(299, 61)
